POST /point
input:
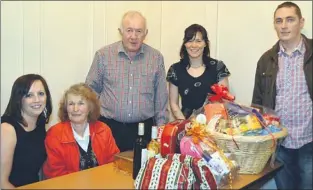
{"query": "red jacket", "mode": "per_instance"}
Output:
(63, 152)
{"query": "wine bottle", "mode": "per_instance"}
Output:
(153, 146)
(140, 150)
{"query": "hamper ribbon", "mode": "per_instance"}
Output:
(221, 93)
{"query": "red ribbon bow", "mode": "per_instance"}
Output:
(221, 93)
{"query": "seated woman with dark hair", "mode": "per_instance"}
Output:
(79, 141)
(195, 73)
(23, 131)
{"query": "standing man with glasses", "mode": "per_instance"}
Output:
(129, 79)
(283, 81)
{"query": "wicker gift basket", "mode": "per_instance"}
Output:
(250, 152)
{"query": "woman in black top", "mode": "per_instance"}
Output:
(23, 131)
(193, 76)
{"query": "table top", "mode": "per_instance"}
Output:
(249, 180)
(107, 177)
(101, 177)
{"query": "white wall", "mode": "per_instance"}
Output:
(58, 39)
(245, 32)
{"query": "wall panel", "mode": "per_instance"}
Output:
(67, 44)
(12, 51)
(150, 9)
(211, 13)
(31, 36)
(99, 26)
(176, 17)
(245, 32)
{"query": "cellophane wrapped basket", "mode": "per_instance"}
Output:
(251, 152)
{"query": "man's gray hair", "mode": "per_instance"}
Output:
(131, 14)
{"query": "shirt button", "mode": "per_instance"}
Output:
(131, 74)
(128, 115)
(130, 102)
(131, 62)
(130, 87)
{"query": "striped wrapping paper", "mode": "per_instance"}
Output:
(176, 171)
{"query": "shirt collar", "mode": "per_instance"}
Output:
(300, 48)
(85, 136)
(122, 49)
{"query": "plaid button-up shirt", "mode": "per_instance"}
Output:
(130, 90)
(293, 102)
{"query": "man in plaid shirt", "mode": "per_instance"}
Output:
(283, 81)
(129, 78)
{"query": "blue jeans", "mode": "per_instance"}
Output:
(297, 170)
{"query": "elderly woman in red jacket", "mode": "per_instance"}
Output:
(79, 141)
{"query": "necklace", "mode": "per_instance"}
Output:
(196, 66)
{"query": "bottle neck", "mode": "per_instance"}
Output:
(141, 129)
(154, 132)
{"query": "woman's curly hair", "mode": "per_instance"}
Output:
(83, 90)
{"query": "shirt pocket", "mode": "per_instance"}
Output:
(112, 76)
(147, 81)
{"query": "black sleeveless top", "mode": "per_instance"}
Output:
(194, 90)
(29, 153)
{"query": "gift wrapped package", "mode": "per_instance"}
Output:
(171, 135)
(162, 173)
(198, 143)
(222, 167)
(123, 162)
(204, 179)
(176, 171)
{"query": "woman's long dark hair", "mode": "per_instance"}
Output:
(190, 33)
(19, 90)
